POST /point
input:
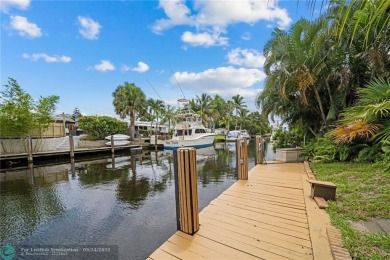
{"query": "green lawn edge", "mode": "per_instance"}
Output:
(363, 193)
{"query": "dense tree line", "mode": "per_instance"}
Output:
(331, 76)
(215, 112)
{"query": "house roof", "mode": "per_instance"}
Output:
(60, 118)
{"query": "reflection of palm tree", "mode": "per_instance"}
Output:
(133, 190)
(97, 173)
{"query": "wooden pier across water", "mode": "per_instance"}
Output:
(268, 216)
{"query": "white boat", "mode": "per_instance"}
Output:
(119, 139)
(244, 134)
(233, 135)
(118, 143)
(237, 134)
(189, 131)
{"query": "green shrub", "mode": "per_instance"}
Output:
(98, 127)
(370, 154)
(324, 149)
(321, 150)
(287, 139)
(386, 154)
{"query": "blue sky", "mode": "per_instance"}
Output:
(82, 50)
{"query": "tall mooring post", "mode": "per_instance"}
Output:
(29, 150)
(259, 150)
(71, 147)
(112, 145)
(71, 154)
(242, 159)
(186, 190)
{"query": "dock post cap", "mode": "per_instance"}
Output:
(186, 148)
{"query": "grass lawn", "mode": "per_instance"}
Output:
(363, 192)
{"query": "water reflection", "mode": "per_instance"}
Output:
(127, 200)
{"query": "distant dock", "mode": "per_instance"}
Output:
(21, 158)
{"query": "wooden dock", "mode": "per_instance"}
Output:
(264, 217)
(79, 152)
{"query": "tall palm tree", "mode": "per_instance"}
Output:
(243, 114)
(168, 115)
(219, 106)
(207, 108)
(239, 103)
(155, 109)
(128, 101)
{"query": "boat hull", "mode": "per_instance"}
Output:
(118, 137)
(118, 143)
(201, 142)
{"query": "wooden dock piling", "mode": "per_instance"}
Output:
(112, 145)
(186, 190)
(242, 159)
(71, 147)
(258, 150)
(29, 150)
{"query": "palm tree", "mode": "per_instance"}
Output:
(207, 108)
(239, 103)
(369, 118)
(219, 106)
(128, 101)
(168, 115)
(227, 117)
(364, 15)
(243, 114)
(155, 110)
(226, 120)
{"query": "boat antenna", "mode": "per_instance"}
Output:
(154, 90)
(179, 85)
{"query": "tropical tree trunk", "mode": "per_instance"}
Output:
(132, 125)
(322, 113)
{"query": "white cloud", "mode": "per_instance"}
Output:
(89, 28)
(141, 68)
(217, 15)
(225, 81)
(5, 5)
(105, 65)
(204, 39)
(246, 57)
(24, 27)
(47, 58)
(177, 13)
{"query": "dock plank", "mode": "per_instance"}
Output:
(301, 218)
(263, 217)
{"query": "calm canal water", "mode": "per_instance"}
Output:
(130, 203)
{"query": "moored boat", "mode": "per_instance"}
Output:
(119, 139)
(189, 131)
(237, 134)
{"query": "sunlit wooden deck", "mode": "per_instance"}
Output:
(264, 217)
